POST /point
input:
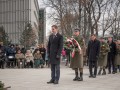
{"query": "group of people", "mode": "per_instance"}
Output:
(98, 52)
(13, 56)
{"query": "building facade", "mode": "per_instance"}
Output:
(16, 14)
(42, 26)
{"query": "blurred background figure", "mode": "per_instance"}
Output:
(10, 53)
(117, 58)
(20, 59)
(29, 59)
(42, 51)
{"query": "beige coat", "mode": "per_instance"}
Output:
(29, 57)
(19, 56)
(117, 59)
(37, 56)
(102, 60)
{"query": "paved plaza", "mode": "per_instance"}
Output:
(35, 79)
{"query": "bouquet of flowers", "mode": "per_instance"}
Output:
(104, 49)
(76, 47)
(73, 45)
(68, 44)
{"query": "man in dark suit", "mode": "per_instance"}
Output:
(93, 54)
(55, 46)
(111, 55)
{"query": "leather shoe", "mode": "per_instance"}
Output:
(55, 82)
(90, 76)
(94, 76)
(51, 81)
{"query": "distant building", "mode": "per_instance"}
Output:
(15, 14)
(42, 27)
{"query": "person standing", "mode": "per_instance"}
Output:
(42, 51)
(55, 46)
(117, 59)
(77, 60)
(102, 62)
(111, 55)
(93, 55)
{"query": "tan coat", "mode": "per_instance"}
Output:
(102, 60)
(29, 57)
(77, 60)
(37, 56)
(19, 56)
(117, 59)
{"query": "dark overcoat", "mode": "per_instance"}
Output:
(93, 50)
(55, 46)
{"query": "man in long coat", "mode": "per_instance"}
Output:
(55, 46)
(93, 55)
(77, 60)
(111, 55)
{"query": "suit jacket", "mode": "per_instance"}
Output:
(55, 46)
(93, 50)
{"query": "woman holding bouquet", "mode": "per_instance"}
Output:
(77, 55)
(102, 61)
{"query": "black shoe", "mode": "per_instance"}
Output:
(113, 72)
(55, 82)
(76, 79)
(90, 76)
(104, 73)
(109, 72)
(94, 76)
(51, 81)
(80, 79)
(99, 73)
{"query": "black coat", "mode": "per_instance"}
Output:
(54, 48)
(112, 48)
(93, 50)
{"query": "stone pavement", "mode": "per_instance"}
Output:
(35, 79)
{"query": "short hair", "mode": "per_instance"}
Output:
(55, 26)
(93, 35)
